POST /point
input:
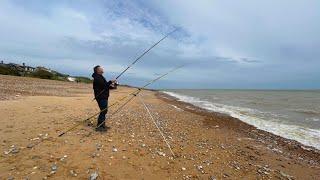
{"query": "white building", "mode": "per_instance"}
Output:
(71, 79)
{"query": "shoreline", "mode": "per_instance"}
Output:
(236, 124)
(291, 121)
(206, 145)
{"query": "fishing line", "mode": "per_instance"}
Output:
(153, 120)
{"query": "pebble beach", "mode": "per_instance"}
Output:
(206, 145)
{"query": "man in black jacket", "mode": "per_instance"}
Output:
(101, 93)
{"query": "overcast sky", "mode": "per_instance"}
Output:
(226, 43)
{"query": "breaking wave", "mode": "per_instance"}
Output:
(307, 111)
(306, 136)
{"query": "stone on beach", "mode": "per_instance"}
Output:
(31, 145)
(99, 147)
(12, 150)
(54, 167)
(161, 153)
(114, 149)
(73, 173)
(286, 176)
(10, 178)
(94, 176)
(63, 158)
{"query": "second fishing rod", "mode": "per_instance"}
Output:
(133, 94)
(136, 60)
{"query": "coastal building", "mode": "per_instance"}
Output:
(15, 66)
(43, 68)
(21, 68)
(71, 79)
(29, 69)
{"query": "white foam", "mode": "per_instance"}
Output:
(306, 136)
(307, 111)
(313, 119)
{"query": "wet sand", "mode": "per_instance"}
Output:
(206, 144)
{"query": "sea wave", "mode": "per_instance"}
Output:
(306, 136)
(313, 119)
(307, 111)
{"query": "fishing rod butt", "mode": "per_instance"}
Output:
(61, 134)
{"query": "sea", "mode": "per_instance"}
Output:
(292, 114)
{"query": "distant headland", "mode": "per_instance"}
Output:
(14, 69)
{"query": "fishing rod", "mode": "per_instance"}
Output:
(139, 90)
(133, 94)
(136, 60)
(144, 53)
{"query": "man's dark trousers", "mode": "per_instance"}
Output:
(103, 105)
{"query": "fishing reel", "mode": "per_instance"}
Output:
(114, 85)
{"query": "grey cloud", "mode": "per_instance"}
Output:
(226, 43)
